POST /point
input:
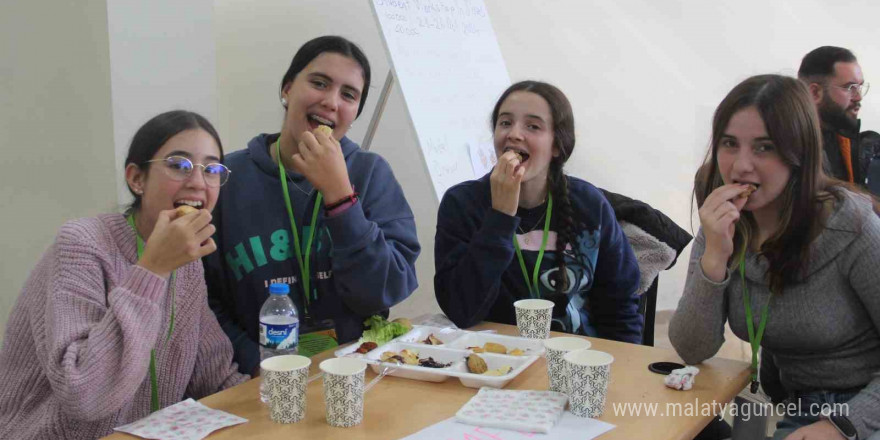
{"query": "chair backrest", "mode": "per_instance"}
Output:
(648, 309)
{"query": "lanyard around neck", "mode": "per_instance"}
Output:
(754, 340)
(304, 261)
(534, 292)
(154, 377)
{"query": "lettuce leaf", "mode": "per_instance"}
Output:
(381, 331)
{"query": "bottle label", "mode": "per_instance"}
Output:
(279, 336)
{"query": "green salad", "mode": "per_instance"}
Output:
(380, 330)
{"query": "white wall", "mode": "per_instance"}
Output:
(55, 128)
(643, 76)
(162, 58)
(76, 80)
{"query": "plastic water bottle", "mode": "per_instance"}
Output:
(279, 327)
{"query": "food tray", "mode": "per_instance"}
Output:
(455, 351)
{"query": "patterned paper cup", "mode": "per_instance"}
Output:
(286, 378)
(556, 349)
(533, 318)
(588, 373)
(344, 391)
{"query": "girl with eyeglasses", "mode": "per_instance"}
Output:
(113, 322)
(789, 258)
(528, 230)
(312, 210)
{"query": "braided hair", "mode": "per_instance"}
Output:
(557, 183)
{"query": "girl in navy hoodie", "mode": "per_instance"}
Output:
(312, 210)
(527, 230)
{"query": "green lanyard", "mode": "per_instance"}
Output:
(754, 340)
(533, 285)
(304, 262)
(154, 378)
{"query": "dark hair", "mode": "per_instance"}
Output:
(334, 44)
(819, 63)
(156, 132)
(792, 124)
(563, 141)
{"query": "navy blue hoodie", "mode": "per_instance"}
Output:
(362, 260)
(479, 276)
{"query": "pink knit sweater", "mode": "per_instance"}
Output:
(75, 360)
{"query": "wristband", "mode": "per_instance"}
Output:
(351, 198)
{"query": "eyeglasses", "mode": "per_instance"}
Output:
(861, 89)
(180, 168)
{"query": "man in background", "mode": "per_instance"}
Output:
(836, 83)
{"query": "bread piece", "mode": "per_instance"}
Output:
(748, 191)
(402, 321)
(324, 129)
(183, 210)
(476, 364)
(492, 347)
(500, 371)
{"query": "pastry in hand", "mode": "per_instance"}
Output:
(183, 210)
(748, 191)
(324, 129)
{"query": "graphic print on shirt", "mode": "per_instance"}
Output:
(580, 259)
(280, 248)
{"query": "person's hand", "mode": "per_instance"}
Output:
(176, 241)
(718, 217)
(321, 161)
(821, 430)
(505, 182)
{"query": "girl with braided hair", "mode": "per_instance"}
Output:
(527, 230)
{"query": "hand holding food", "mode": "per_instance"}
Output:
(505, 182)
(177, 241)
(321, 161)
(718, 217)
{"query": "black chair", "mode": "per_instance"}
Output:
(659, 226)
(648, 309)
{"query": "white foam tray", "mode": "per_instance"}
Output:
(455, 351)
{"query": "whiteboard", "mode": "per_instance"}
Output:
(450, 70)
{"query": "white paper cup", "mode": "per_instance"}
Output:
(556, 349)
(286, 378)
(344, 391)
(533, 318)
(588, 373)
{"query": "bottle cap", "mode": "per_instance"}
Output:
(279, 289)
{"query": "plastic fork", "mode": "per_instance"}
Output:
(386, 369)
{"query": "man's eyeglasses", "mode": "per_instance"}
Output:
(861, 89)
(180, 168)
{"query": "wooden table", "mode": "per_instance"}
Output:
(397, 407)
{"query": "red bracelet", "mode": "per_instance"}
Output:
(353, 197)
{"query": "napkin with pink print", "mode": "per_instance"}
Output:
(187, 420)
(525, 411)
